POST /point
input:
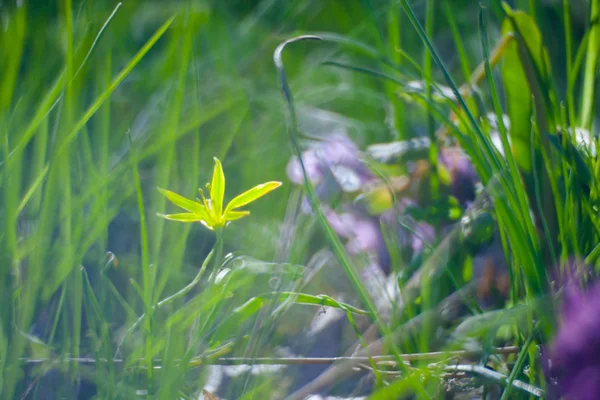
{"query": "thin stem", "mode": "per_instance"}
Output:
(436, 355)
(171, 298)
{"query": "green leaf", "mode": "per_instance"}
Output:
(217, 188)
(254, 304)
(527, 76)
(249, 308)
(518, 102)
(183, 217)
(318, 300)
(250, 195)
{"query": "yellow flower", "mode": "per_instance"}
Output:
(210, 212)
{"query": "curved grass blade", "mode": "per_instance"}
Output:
(332, 237)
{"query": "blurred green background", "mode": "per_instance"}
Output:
(92, 90)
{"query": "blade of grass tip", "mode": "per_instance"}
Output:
(503, 208)
(332, 237)
(54, 95)
(103, 125)
(566, 12)
(487, 145)
(146, 273)
(15, 30)
(458, 42)
(113, 85)
(123, 168)
(588, 96)
(430, 105)
(96, 39)
(49, 103)
(394, 30)
(28, 296)
(511, 162)
(196, 121)
(181, 43)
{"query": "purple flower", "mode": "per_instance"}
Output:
(572, 362)
(333, 164)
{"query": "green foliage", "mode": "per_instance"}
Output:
(102, 103)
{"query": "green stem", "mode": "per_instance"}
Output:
(180, 293)
(148, 283)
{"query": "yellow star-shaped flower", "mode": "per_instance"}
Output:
(210, 212)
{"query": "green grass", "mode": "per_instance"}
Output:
(102, 102)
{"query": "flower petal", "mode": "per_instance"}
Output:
(217, 188)
(250, 195)
(235, 215)
(187, 204)
(183, 217)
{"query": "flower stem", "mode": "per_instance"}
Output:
(217, 249)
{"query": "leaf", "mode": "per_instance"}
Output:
(183, 217)
(187, 204)
(319, 300)
(254, 304)
(252, 194)
(217, 188)
(240, 314)
(519, 107)
(526, 75)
